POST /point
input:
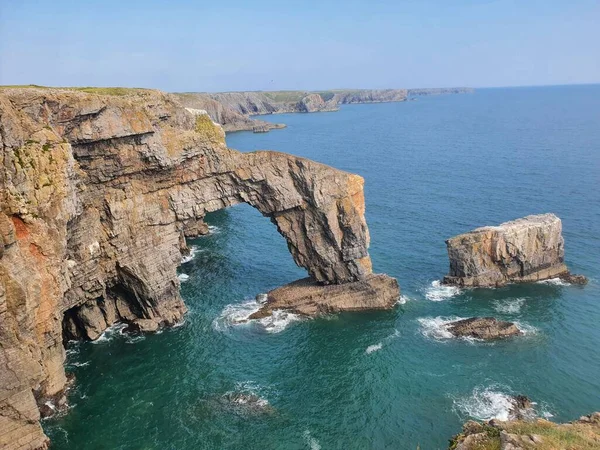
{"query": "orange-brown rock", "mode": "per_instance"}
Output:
(98, 193)
(375, 291)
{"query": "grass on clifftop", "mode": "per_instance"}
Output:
(120, 91)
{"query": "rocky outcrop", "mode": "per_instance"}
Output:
(309, 298)
(523, 250)
(97, 196)
(521, 434)
(233, 109)
(486, 328)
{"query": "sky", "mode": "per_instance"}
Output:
(184, 45)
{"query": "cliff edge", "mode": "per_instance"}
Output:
(98, 194)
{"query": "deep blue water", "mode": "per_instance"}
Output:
(434, 168)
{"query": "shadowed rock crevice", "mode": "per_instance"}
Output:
(98, 194)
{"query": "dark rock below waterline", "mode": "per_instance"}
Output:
(244, 403)
(307, 297)
(487, 328)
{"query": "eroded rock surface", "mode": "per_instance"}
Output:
(375, 291)
(486, 328)
(527, 434)
(97, 196)
(523, 250)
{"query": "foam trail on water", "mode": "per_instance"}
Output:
(486, 404)
(191, 256)
(402, 300)
(376, 347)
(183, 277)
(312, 443)
(526, 328)
(511, 306)
(438, 292)
(555, 282)
(110, 333)
(239, 313)
(437, 327)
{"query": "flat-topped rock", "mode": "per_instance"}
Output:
(522, 250)
(376, 291)
(487, 328)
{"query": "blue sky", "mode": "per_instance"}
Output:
(183, 45)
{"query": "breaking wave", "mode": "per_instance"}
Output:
(437, 327)
(111, 332)
(190, 256)
(555, 282)
(213, 229)
(486, 404)
(511, 306)
(183, 277)
(312, 443)
(402, 300)
(238, 314)
(438, 292)
(376, 347)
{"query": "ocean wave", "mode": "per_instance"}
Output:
(190, 256)
(402, 300)
(525, 328)
(555, 282)
(486, 404)
(312, 443)
(510, 306)
(111, 332)
(437, 327)
(376, 347)
(80, 364)
(238, 314)
(213, 229)
(438, 292)
(183, 277)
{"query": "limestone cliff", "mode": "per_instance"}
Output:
(527, 249)
(98, 193)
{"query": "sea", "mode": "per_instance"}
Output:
(433, 167)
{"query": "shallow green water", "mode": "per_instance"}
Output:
(433, 168)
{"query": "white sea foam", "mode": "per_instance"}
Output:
(525, 328)
(278, 321)
(312, 443)
(437, 327)
(376, 347)
(510, 306)
(213, 229)
(438, 292)
(80, 364)
(183, 277)
(555, 282)
(486, 404)
(111, 332)
(190, 256)
(402, 300)
(373, 348)
(239, 313)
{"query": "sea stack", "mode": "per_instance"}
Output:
(523, 250)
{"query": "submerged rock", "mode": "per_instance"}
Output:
(376, 291)
(487, 328)
(246, 403)
(523, 250)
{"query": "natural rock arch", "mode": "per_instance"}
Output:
(98, 193)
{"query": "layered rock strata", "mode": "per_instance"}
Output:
(306, 297)
(523, 250)
(97, 196)
(233, 109)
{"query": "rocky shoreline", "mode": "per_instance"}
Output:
(234, 110)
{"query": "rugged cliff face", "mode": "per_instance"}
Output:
(527, 249)
(98, 193)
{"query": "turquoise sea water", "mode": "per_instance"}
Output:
(434, 168)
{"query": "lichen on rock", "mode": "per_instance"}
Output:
(98, 194)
